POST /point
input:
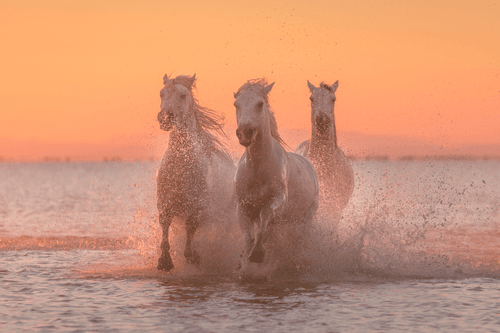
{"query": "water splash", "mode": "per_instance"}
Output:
(399, 224)
(405, 220)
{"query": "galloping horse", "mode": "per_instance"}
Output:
(334, 170)
(273, 186)
(195, 178)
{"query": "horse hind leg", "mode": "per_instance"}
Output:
(257, 254)
(190, 253)
(165, 261)
(257, 251)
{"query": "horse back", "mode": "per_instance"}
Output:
(303, 187)
(220, 182)
(303, 148)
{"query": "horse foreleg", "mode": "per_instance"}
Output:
(247, 227)
(165, 261)
(266, 215)
(192, 224)
(257, 252)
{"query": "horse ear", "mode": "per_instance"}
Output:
(335, 86)
(311, 86)
(165, 79)
(268, 88)
(191, 80)
(234, 94)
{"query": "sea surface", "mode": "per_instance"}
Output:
(417, 249)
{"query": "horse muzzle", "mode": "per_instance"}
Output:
(246, 136)
(166, 120)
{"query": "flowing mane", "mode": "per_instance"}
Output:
(259, 85)
(208, 121)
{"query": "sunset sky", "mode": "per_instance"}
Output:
(86, 71)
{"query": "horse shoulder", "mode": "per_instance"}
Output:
(164, 171)
(241, 166)
(243, 176)
(343, 163)
(342, 176)
(303, 170)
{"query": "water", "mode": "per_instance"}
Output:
(417, 249)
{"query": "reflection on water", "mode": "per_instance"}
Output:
(65, 243)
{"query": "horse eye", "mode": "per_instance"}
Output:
(311, 98)
(182, 96)
(260, 104)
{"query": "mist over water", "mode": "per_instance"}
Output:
(71, 229)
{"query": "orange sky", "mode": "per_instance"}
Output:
(91, 71)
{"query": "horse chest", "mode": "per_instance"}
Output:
(255, 192)
(183, 178)
(323, 159)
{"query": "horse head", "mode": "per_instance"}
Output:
(252, 111)
(177, 102)
(322, 106)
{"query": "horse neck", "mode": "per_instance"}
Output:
(261, 150)
(183, 139)
(327, 141)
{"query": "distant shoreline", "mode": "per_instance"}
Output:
(149, 147)
(114, 159)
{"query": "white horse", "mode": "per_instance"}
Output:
(335, 173)
(273, 186)
(195, 178)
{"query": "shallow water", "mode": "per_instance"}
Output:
(416, 249)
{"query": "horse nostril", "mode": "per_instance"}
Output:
(165, 116)
(248, 132)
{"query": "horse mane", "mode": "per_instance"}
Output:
(326, 86)
(259, 85)
(207, 119)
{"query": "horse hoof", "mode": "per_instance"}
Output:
(256, 257)
(193, 259)
(252, 279)
(165, 264)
